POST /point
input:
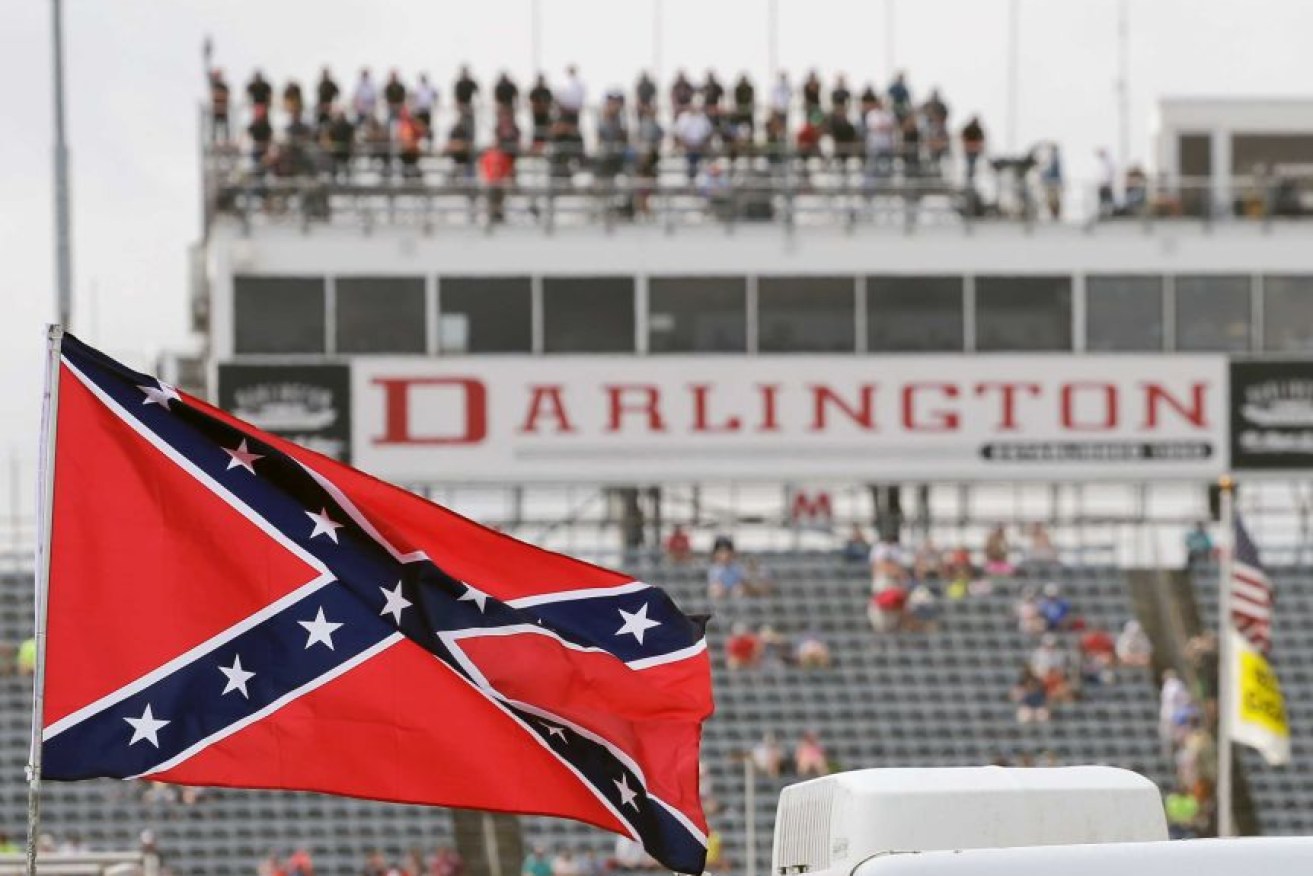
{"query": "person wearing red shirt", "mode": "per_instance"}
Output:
(678, 547)
(742, 648)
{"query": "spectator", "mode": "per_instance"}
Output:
(1133, 646)
(272, 865)
(743, 648)
(505, 92)
(1173, 698)
(843, 133)
(1029, 620)
(922, 608)
(693, 133)
(365, 99)
(422, 103)
(1031, 697)
(758, 578)
(612, 137)
(682, 93)
(326, 95)
(1039, 548)
(781, 95)
(570, 99)
(1184, 815)
(1098, 656)
(1198, 546)
(293, 100)
(340, 137)
(564, 864)
(809, 756)
(928, 562)
(220, 131)
(1137, 191)
(857, 548)
(414, 863)
(775, 651)
(880, 129)
(300, 863)
(910, 141)
(678, 547)
(463, 92)
(262, 136)
(460, 149)
(745, 104)
(973, 146)
(712, 93)
(887, 564)
(394, 96)
(935, 112)
(900, 97)
(767, 756)
(840, 94)
(7, 846)
(885, 610)
(259, 91)
(1049, 663)
(1107, 180)
(447, 862)
(591, 865)
(645, 92)
(648, 159)
(1051, 179)
(541, 101)
(629, 855)
(726, 575)
(1055, 609)
(811, 652)
(811, 95)
(409, 135)
(536, 863)
(716, 860)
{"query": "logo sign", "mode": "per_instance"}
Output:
(308, 404)
(778, 418)
(1272, 415)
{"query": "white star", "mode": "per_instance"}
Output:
(627, 794)
(237, 677)
(396, 603)
(146, 727)
(161, 395)
(478, 597)
(636, 624)
(324, 524)
(241, 457)
(320, 630)
(553, 730)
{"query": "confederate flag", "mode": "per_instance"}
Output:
(227, 608)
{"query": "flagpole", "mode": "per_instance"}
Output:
(1225, 707)
(46, 485)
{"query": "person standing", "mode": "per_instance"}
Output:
(505, 92)
(220, 131)
(540, 108)
(260, 92)
(394, 96)
(811, 94)
(973, 146)
(682, 93)
(423, 101)
(693, 131)
(881, 127)
(463, 92)
(745, 104)
(293, 100)
(645, 92)
(570, 99)
(365, 99)
(326, 94)
(781, 95)
(840, 95)
(1107, 181)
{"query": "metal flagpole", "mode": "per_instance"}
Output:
(658, 34)
(45, 510)
(63, 245)
(536, 36)
(1225, 707)
(1014, 37)
(773, 40)
(490, 850)
(750, 814)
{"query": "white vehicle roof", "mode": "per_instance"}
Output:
(1271, 856)
(831, 824)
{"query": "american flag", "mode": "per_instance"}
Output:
(1252, 596)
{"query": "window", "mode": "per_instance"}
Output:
(1124, 314)
(278, 314)
(805, 315)
(1212, 314)
(1288, 314)
(588, 315)
(1023, 314)
(485, 315)
(380, 315)
(697, 315)
(914, 314)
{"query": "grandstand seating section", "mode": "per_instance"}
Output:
(918, 699)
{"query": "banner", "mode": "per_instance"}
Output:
(308, 404)
(662, 419)
(1272, 415)
(1260, 719)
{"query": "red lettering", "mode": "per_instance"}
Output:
(806, 507)
(649, 398)
(1008, 391)
(769, 414)
(396, 410)
(941, 420)
(1109, 419)
(1156, 395)
(547, 400)
(701, 391)
(863, 414)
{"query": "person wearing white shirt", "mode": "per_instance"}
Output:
(365, 100)
(1107, 180)
(781, 95)
(570, 97)
(880, 127)
(693, 132)
(423, 99)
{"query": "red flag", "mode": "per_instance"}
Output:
(227, 608)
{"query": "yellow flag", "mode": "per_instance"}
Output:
(1260, 709)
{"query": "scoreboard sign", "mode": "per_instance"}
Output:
(653, 419)
(308, 404)
(1272, 415)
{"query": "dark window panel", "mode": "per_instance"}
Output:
(914, 314)
(485, 315)
(697, 315)
(588, 315)
(1288, 314)
(278, 314)
(806, 315)
(1124, 314)
(1023, 314)
(1213, 314)
(380, 315)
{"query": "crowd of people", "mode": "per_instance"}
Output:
(708, 125)
(1187, 715)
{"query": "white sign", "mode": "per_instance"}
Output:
(652, 419)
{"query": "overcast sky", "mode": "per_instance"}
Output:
(134, 76)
